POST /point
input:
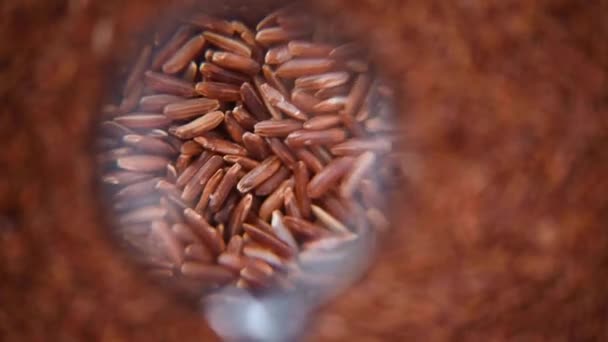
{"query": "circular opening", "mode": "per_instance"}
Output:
(247, 157)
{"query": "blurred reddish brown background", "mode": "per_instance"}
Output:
(501, 230)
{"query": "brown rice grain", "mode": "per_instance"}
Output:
(235, 62)
(342, 211)
(209, 236)
(113, 129)
(303, 138)
(123, 178)
(166, 188)
(269, 20)
(326, 93)
(301, 180)
(322, 122)
(272, 183)
(182, 57)
(357, 146)
(246, 163)
(238, 215)
(137, 70)
(150, 145)
(327, 80)
(181, 35)
(208, 188)
(277, 35)
(277, 128)
(156, 102)
(255, 220)
(259, 174)
(223, 215)
(159, 133)
(322, 153)
(312, 162)
(112, 155)
(138, 189)
(192, 169)
(304, 100)
(243, 117)
(274, 201)
(171, 173)
(184, 234)
(355, 99)
(190, 72)
(145, 214)
(280, 230)
(351, 181)
(221, 146)
(169, 84)
(142, 163)
(272, 95)
(274, 113)
(291, 110)
(257, 276)
(258, 252)
(268, 240)
(173, 248)
(329, 221)
(304, 228)
(208, 273)
(235, 131)
(357, 65)
(209, 54)
(272, 79)
(213, 72)
(282, 151)
(224, 187)
(253, 102)
(228, 44)
(257, 147)
(191, 148)
(232, 262)
(306, 49)
(277, 55)
(346, 51)
(143, 120)
(220, 91)
(332, 173)
(235, 245)
(191, 108)
(195, 186)
(289, 202)
(198, 253)
(244, 32)
(182, 162)
(129, 102)
(332, 104)
(304, 67)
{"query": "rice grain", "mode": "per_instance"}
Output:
(188, 109)
(228, 44)
(142, 163)
(182, 57)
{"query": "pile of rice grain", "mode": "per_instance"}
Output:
(242, 157)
